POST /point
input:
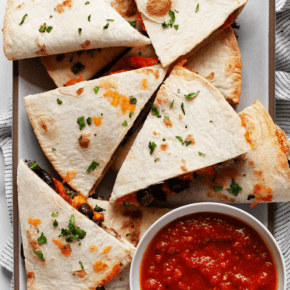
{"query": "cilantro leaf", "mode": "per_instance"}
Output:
(23, 18)
(165, 117)
(89, 120)
(42, 239)
(53, 149)
(163, 139)
(81, 265)
(197, 8)
(93, 166)
(125, 123)
(59, 101)
(178, 90)
(96, 89)
(81, 137)
(34, 165)
(126, 203)
(132, 23)
(187, 143)
(77, 67)
(128, 234)
(55, 223)
(71, 193)
(42, 28)
(176, 11)
(49, 28)
(182, 107)
(156, 159)
(70, 239)
(218, 188)
(133, 101)
(110, 19)
(80, 30)
(152, 146)
(234, 188)
(81, 122)
(87, 3)
(106, 26)
(201, 154)
(54, 214)
(89, 18)
(171, 21)
(72, 219)
(37, 230)
(180, 139)
(38, 254)
(155, 111)
(130, 114)
(210, 121)
(171, 105)
(176, 27)
(191, 95)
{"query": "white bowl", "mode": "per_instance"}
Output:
(207, 207)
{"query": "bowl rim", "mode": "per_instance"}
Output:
(212, 207)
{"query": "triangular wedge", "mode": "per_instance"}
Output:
(127, 221)
(195, 24)
(218, 61)
(196, 128)
(56, 263)
(59, 67)
(51, 27)
(109, 101)
(262, 173)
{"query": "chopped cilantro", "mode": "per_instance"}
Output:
(126, 203)
(171, 21)
(133, 101)
(244, 175)
(156, 159)
(102, 114)
(95, 134)
(89, 18)
(54, 214)
(49, 28)
(81, 265)
(234, 188)
(218, 188)
(187, 143)
(55, 223)
(98, 209)
(80, 30)
(176, 11)
(89, 121)
(132, 23)
(73, 231)
(34, 165)
(80, 244)
(178, 90)
(197, 8)
(110, 19)
(42, 239)
(93, 166)
(77, 67)
(96, 89)
(50, 16)
(38, 254)
(23, 18)
(71, 193)
(210, 121)
(171, 105)
(201, 154)
(176, 27)
(163, 139)
(71, 239)
(81, 137)
(182, 107)
(59, 101)
(130, 114)
(42, 28)
(152, 146)
(87, 3)
(128, 235)
(81, 122)
(106, 26)
(155, 111)
(37, 230)
(191, 95)
(186, 127)
(180, 139)
(165, 117)
(53, 149)
(125, 123)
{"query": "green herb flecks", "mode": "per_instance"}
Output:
(128, 234)
(125, 123)
(163, 139)
(171, 21)
(80, 31)
(156, 160)
(131, 114)
(42, 28)
(81, 137)
(49, 28)
(59, 101)
(180, 139)
(187, 143)
(110, 19)
(37, 230)
(54, 214)
(197, 8)
(55, 223)
(87, 3)
(165, 117)
(191, 95)
(171, 105)
(182, 107)
(89, 18)
(23, 18)
(77, 67)
(210, 121)
(218, 188)
(132, 23)
(155, 111)
(234, 188)
(71, 193)
(53, 149)
(38, 254)
(201, 154)
(133, 101)
(106, 26)
(73, 231)
(89, 121)
(42, 239)
(34, 165)
(96, 89)
(126, 203)
(93, 166)
(81, 122)
(152, 146)
(81, 265)
(176, 27)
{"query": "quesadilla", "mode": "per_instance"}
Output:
(191, 126)
(61, 67)
(178, 27)
(53, 27)
(127, 221)
(218, 61)
(63, 249)
(79, 127)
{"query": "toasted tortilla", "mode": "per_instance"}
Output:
(75, 26)
(59, 66)
(102, 256)
(71, 150)
(218, 61)
(128, 222)
(212, 129)
(197, 23)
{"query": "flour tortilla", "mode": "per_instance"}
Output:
(56, 271)
(218, 61)
(220, 140)
(56, 125)
(194, 28)
(26, 41)
(130, 222)
(59, 66)
(263, 173)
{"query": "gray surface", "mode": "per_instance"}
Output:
(253, 42)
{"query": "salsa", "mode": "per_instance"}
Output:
(207, 251)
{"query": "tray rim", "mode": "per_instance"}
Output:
(16, 238)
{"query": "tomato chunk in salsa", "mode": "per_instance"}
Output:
(207, 251)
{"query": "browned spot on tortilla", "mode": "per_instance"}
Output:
(121, 279)
(149, 71)
(41, 51)
(180, 117)
(190, 138)
(132, 225)
(106, 83)
(66, 3)
(85, 141)
(43, 125)
(93, 248)
(262, 193)
(158, 8)
(258, 173)
(107, 249)
(163, 147)
(210, 77)
(144, 84)
(159, 101)
(219, 195)
(80, 273)
(19, 6)
(79, 91)
(154, 133)
(125, 8)
(183, 167)
(167, 123)
(30, 276)
(115, 271)
(251, 163)
(86, 44)
(32, 238)
(99, 266)
(226, 173)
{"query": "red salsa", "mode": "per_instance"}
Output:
(207, 251)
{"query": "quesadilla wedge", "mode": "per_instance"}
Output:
(53, 27)
(61, 67)
(191, 126)
(80, 127)
(178, 27)
(127, 221)
(218, 61)
(63, 249)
